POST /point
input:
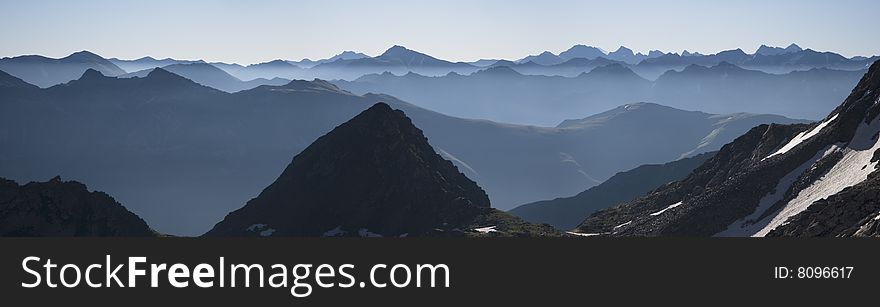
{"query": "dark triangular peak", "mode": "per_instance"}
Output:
(375, 175)
(59, 208)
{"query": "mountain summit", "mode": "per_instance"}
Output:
(407, 57)
(767, 50)
(375, 175)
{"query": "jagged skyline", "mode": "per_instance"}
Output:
(453, 30)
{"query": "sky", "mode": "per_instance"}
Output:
(459, 30)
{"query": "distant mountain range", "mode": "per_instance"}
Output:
(584, 86)
(622, 54)
(500, 93)
(345, 55)
(350, 65)
(147, 63)
(769, 61)
(767, 50)
(396, 59)
(223, 148)
(776, 180)
(210, 75)
(44, 72)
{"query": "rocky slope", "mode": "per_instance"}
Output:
(375, 175)
(791, 180)
(64, 208)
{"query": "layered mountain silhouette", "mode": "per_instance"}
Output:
(345, 55)
(59, 208)
(224, 148)
(622, 55)
(375, 175)
(12, 82)
(546, 100)
(545, 58)
(769, 60)
(45, 72)
(767, 50)
(210, 75)
(582, 52)
(147, 62)
(268, 70)
(567, 212)
(397, 60)
(776, 180)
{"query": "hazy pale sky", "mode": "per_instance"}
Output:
(258, 31)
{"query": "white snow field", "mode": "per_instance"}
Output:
(853, 168)
(750, 224)
(801, 137)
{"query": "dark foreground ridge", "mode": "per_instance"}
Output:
(375, 175)
(64, 208)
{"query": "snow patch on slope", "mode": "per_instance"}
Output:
(750, 224)
(621, 225)
(667, 208)
(581, 234)
(486, 229)
(853, 168)
(801, 137)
